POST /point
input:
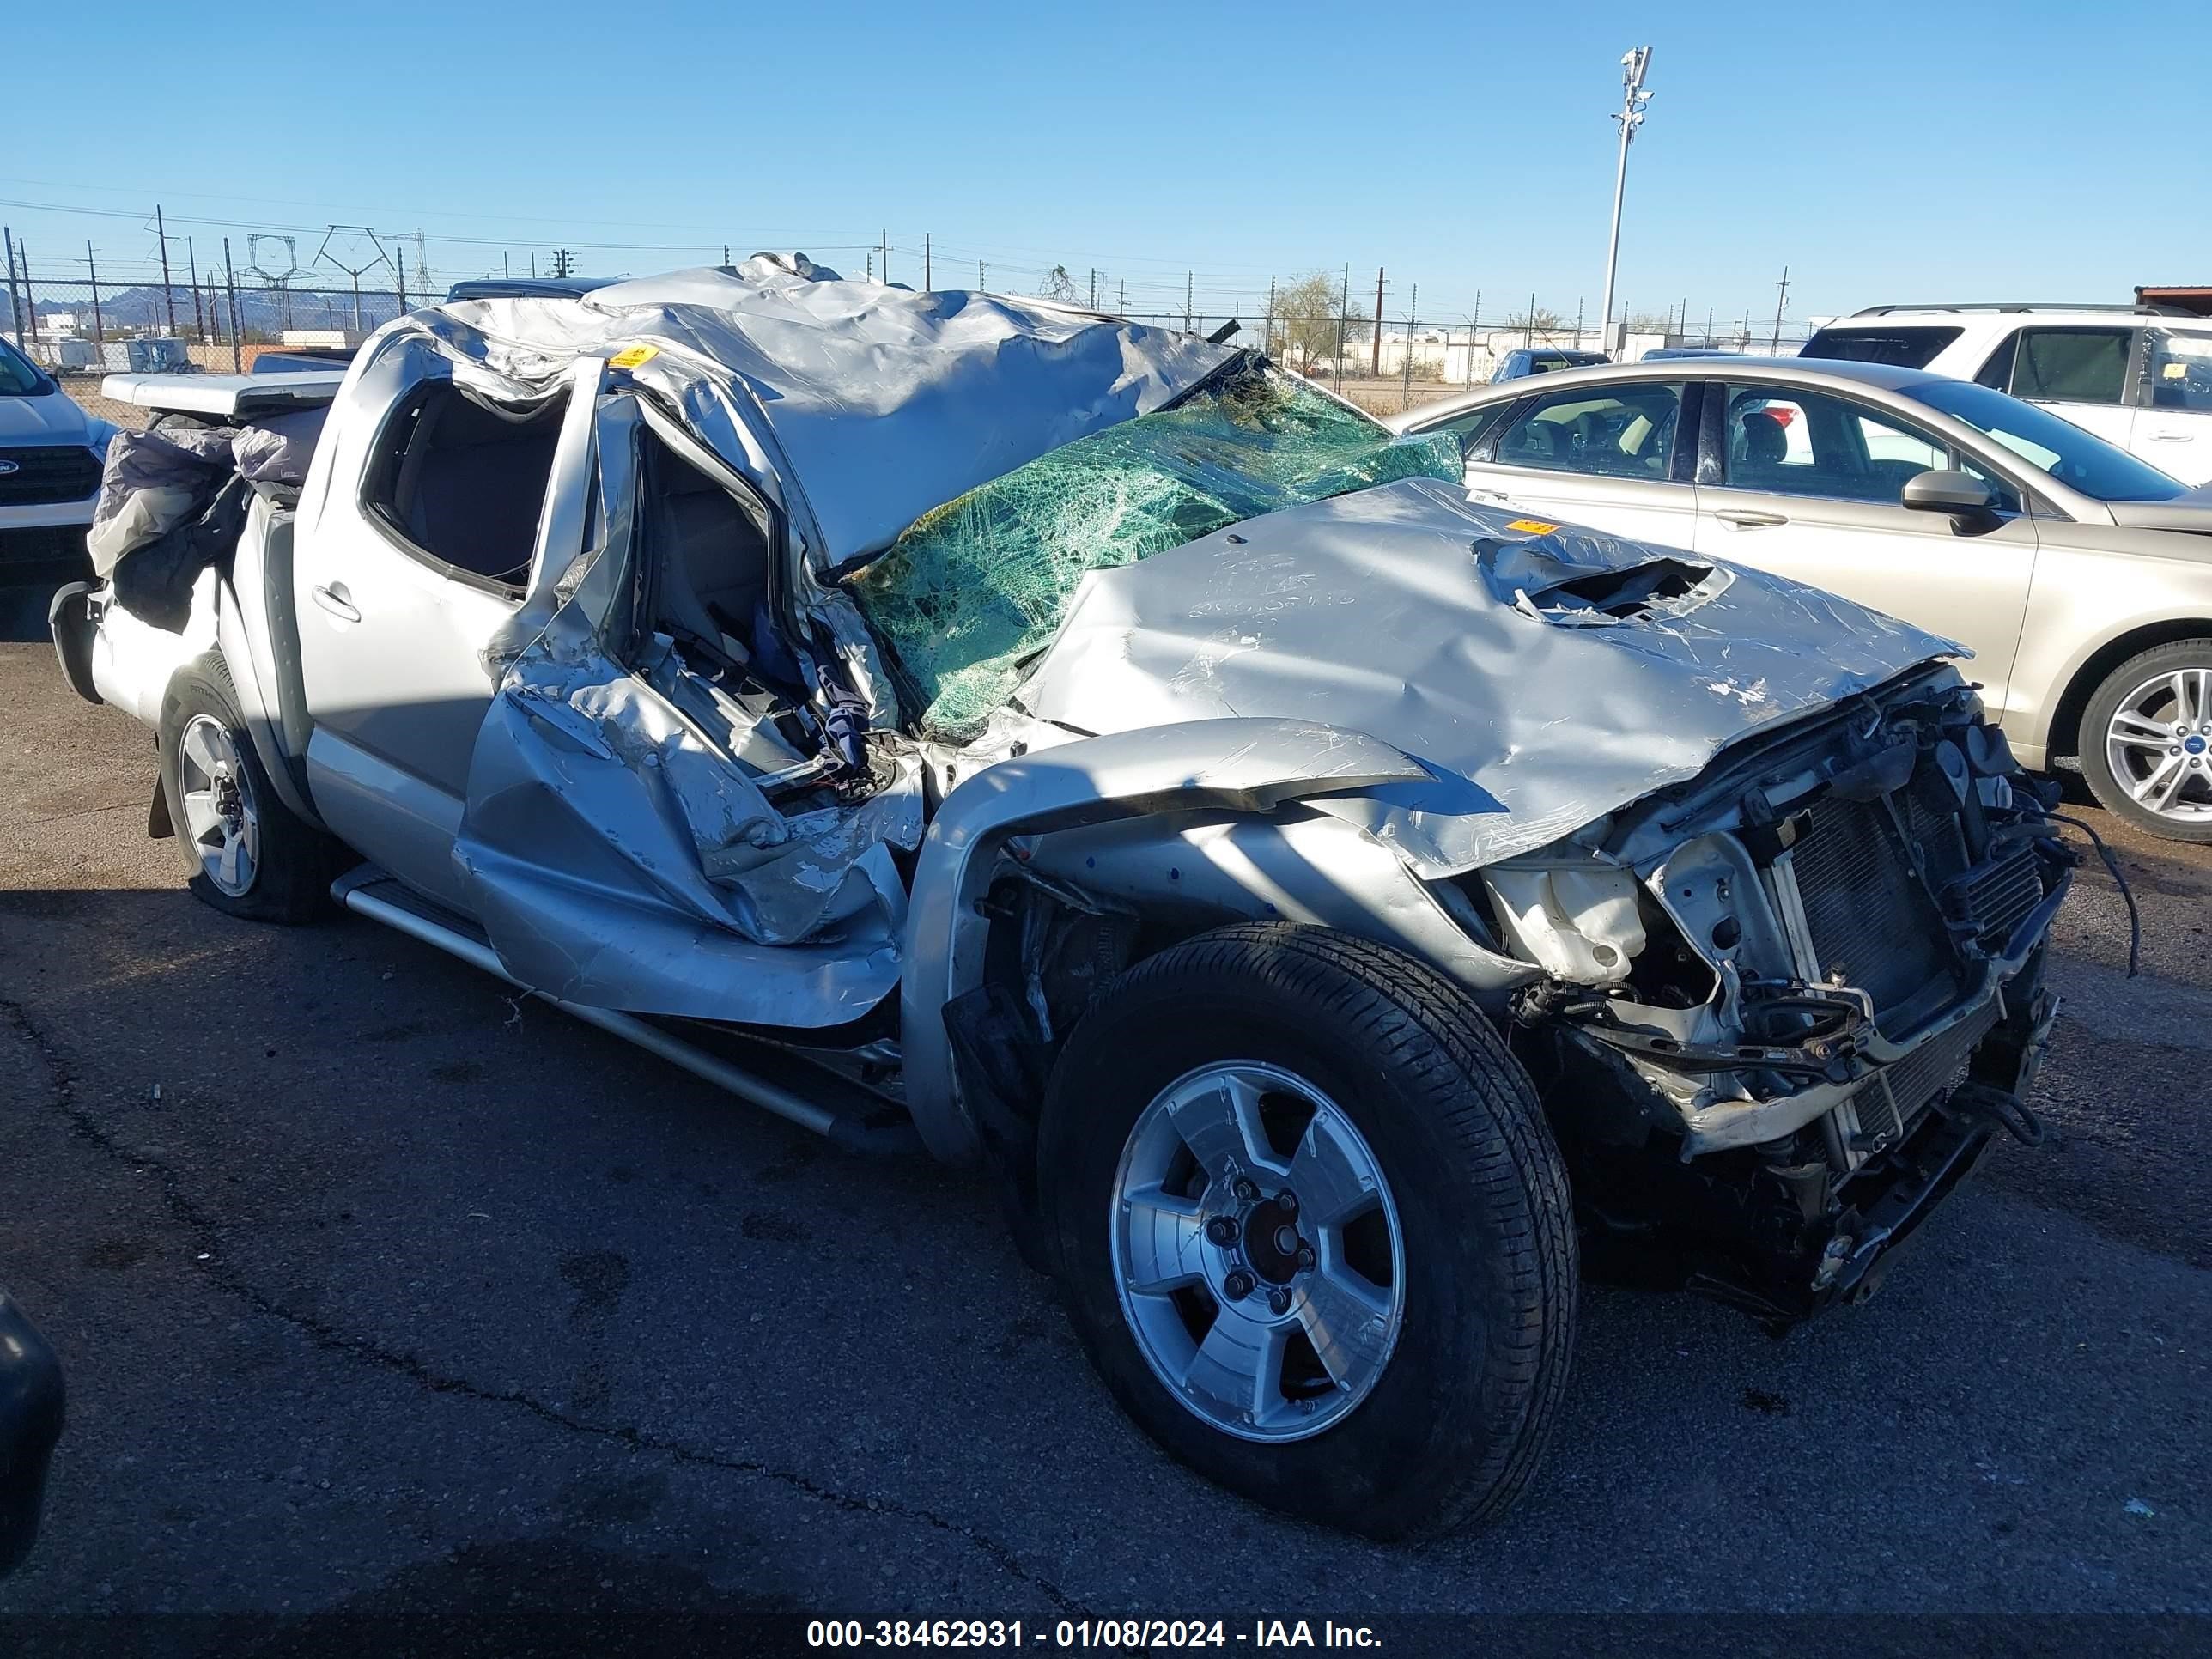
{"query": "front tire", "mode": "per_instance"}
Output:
(1312, 1228)
(250, 854)
(2145, 741)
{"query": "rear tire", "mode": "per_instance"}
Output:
(1298, 1057)
(251, 855)
(2145, 741)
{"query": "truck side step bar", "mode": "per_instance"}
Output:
(368, 891)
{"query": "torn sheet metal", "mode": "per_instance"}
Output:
(618, 858)
(1377, 612)
(885, 403)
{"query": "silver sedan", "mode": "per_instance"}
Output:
(2081, 577)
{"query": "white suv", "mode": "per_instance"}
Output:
(2140, 377)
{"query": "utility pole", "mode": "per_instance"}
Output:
(1266, 329)
(30, 300)
(725, 254)
(979, 275)
(1189, 280)
(1374, 358)
(1094, 288)
(929, 284)
(1782, 294)
(1528, 322)
(1413, 322)
(403, 278)
(14, 302)
(1343, 305)
(98, 335)
(1633, 65)
(1125, 296)
(887, 257)
(168, 294)
(192, 276)
(1708, 327)
(230, 283)
(563, 261)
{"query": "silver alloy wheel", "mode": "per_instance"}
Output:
(220, 814)
(1265, 1286)
(2158, 745)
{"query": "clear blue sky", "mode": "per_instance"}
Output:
(1881, 152)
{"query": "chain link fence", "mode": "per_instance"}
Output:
(81, 329)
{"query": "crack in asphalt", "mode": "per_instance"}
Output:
(188, 1214)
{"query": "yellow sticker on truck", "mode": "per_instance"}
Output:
(631, 357)
(1532, 526)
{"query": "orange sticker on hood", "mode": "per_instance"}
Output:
(1532, 526)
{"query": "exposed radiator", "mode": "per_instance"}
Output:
(1886, 1105)
(1872, 923)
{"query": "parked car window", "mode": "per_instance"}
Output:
(2180, 371)
(2071, 365)
(1800, 442)
(1905, 348)
(1621, 432)
(2079, 459)
(459, 480)
(1472, 426)
(19, 375)
(1996, 373)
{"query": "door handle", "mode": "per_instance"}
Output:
(336, 600)
(1744, 519)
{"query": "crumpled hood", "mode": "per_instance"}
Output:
(51, 419)
(1482, 644)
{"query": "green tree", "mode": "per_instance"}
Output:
(1312, 322)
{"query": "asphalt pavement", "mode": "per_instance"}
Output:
(383, 1294)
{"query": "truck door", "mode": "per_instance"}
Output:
(424, 565)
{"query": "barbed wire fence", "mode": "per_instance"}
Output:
(221, 301)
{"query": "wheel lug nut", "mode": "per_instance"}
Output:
(1306, 1257)
(1237, 1285)
(1278, 1302)
(1221, 1229)
(1287, 1202)
(1246, 1189)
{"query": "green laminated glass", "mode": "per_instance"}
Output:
(970, 593)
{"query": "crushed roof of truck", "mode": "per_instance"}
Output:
(884, 402)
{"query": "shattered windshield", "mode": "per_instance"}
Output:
(970, 593)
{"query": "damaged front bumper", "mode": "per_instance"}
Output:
(1835, 1003)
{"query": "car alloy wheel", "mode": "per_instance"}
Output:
(2158, 744)
(1265, 1286)
(222, 817)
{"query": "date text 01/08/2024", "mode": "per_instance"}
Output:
(1087, 1633)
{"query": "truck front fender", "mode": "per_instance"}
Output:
(1248, 765)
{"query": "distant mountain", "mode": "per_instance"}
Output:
(260, 310)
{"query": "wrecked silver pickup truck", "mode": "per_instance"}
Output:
(1334, 913)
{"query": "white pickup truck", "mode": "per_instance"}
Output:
(1334, 913)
